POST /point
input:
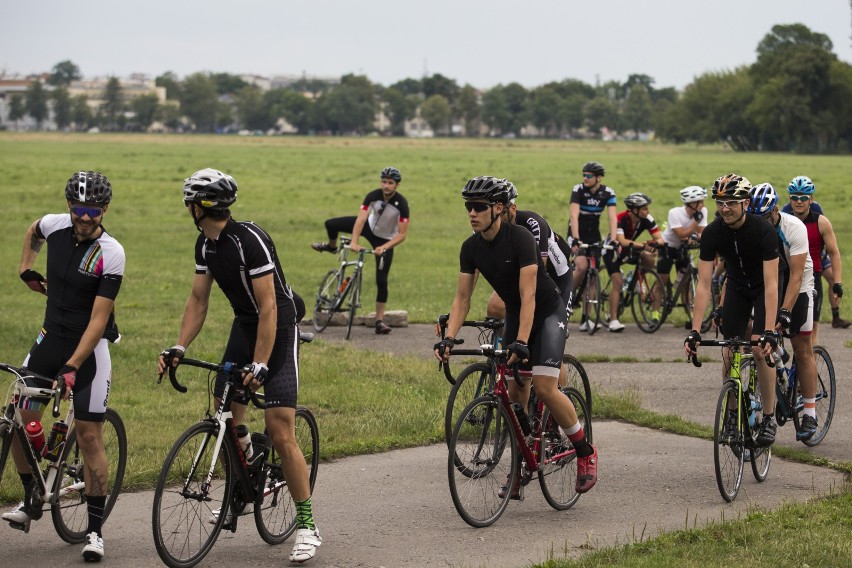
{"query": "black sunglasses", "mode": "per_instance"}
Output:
(92, 212)
(477, 206)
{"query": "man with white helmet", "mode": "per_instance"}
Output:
(684, 224)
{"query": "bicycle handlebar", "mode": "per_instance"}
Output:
(441, 330)
(733, 342)
(362, 250)
(23, 372)
(229, 368)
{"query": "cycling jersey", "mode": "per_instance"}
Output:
(632, 229)
(78, 272)
(592, 205)
(744, 249)
(385, 216)
(793, 240)
(678, 218)
(242, 252)
(550, 245)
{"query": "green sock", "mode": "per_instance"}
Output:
(304, 515)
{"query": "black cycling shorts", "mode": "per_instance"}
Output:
(546, 342)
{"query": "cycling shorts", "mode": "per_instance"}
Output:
(802, 321)
(737, 311)
(546, 342)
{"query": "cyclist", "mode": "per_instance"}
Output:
(797, 296)
(820, 238)
(241, 258)
(589, 199)
(383, 221)
(684, 224)
(631, 223)
(749, 245)
(85, 267)
(506, 256)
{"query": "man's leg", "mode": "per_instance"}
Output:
(21, 516)
(90, 440)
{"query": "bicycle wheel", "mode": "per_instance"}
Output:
(184, 501)
(557, 460)
(70, 510)
(648, 301)
(686, 292)
(577, 378)
(479, 440)
(826, 394)
(727, 451)
(474, 381)
(592, 301)
(275, 509)
(354, 299)
(327, 300)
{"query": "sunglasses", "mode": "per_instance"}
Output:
(799, 197)
(92, 212)
(477, 206)
(589, 176)
(727, 204)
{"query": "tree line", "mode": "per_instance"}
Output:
(796, 96)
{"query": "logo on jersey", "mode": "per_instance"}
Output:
(93, 261)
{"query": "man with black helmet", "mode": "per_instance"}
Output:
(242, 259)
(589, 200)
(749, 245)
(85, 267)
(383, 221)
(507, 257)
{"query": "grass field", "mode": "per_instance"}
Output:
(365, 402)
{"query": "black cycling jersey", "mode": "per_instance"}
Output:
(744, 249)
(631, 230)
(243, 252)
(500, 262)
(592, 205)
(77, 272)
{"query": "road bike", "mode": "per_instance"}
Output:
(58, 476)
(738, 419)
(590, 288)
(489, 331)
(494, 444)
(790, 403)
(206, 484)
(681, 293)
(340, 289)
(643, 292)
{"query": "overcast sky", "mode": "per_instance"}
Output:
(472, 41)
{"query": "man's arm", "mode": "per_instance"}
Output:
(770, 296)
(613, 223)
(527, 282)
(32, 246)
(101, 310)
(830, 241)
(702, 293)
(460, 308)
(264, 292)
(797, 272)
(359, 226)
(574, 215)
(195, 311)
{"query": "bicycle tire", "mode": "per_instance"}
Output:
(826, 394)
(69, 511)
(275, 509)
(707, 321)
(577, 378)
(181, 514)
(727, 454)
(648, 291)
(327, 300)
(761, 457)
(557, 460)
(354, 299)
(592, 301)
(686, 291)
(480, 444)
(464, 391)
(5, 445)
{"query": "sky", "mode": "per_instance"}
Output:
(480, 42)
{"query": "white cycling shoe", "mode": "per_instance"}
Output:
(307, 542)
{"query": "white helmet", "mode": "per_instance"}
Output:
(692, 194)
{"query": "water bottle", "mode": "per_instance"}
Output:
(781, 356)
(259, 442)
(343, 285)
(626, 284)
(751, 410)
(56, 440)
(35, 434)
(524, 420)
(245, 441)
(678, 278)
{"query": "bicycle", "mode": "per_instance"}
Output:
(790, 404)
(488, 427)
(738, 419)
(339, 292)
(58, 478)
(681, 293)
(489, 333)
(643, 292)
(206, 482)
(590, 287)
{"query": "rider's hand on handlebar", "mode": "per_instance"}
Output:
(690, 344)
(520, 352)
(768, 342)
(784, 320)
(444, 347)
(255, 376)
(170, 356)
(354, 247)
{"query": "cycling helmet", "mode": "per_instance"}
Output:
(211, 189)
(637, 200)
(731, 186)
(391, 172)
(801, 184)
(692, 194)
(763, 199)
(594, 168)
(513, 192)
(488, 187)
(88, 187)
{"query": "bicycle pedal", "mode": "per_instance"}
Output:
(25, 526)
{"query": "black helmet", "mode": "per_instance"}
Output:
(391, 172)
(637, 200)
(490, 188)
(513, 192)
(211, 189)
(88, 187)
(594, 168)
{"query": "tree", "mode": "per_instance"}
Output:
(169, 115)
(437, 84)
(81, 112)
(408, 86)
(516, 104)
(399, 107)
(62, 111)
(294, 107)
(36, 102)
(199, 102)
(227, 84)
(251, 110)
(351, 107)
(63, 73)
(468, 109)
(600, 112)
(436, 111)
(544, 109)
(17, 108)
(145, 107)
(638, 108)
(170, 81)
(495, 110)
(113, 105)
